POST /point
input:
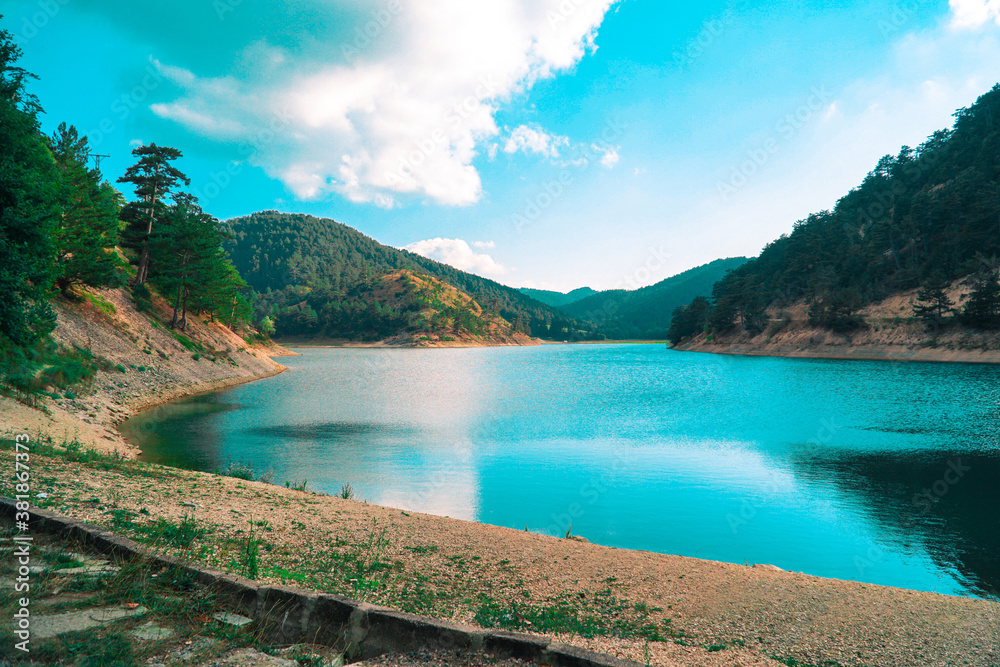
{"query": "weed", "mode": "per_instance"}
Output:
(346, 491)
(101, 303)
(240, 470)
(250, 557)
(181, 535)
(430, 549)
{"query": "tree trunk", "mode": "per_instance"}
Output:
(177, 306)
(143, 269)
(184, 311)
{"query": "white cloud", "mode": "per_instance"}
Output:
(534, 140)
(610, 156)
(974, 13)
(458, 253)
(405, 119)
(484, 244)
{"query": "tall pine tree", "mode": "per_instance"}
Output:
(88, 231)
(28, 206)
(155, 180)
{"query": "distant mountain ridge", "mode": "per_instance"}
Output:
(558, 299)
(646, 313)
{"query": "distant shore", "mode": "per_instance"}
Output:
(848, 352)
(891, 333)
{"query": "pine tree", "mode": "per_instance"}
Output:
(933, 303)
(154, 179)
(28, 206)
(982, 310)
(184, 248)
(88, 232)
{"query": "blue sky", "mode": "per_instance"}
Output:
(545, 143)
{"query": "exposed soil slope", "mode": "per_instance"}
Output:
(150, 364)
(438, 315)
(892, 333)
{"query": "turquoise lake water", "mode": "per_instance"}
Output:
(879, 472)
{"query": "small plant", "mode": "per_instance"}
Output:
(101, 303)
(143, 298)
(181, 535)
(251, 554)
(241, 470)
(346, 491)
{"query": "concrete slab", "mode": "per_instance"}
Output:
(151, 632)
(46, 627)
(232, 619)
(248, 657)
(89, 570)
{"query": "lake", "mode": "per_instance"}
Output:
(879, 472)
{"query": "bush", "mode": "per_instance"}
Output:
(143, 298)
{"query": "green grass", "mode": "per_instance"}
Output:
(101, 303)
(604, 615)
(187, 342)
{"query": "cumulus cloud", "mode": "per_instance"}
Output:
(405, 119)
(974, 13)
(534, 140)
(609, 157)
(484, 244)
(458, 253)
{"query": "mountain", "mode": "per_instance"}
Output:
(924, 218)
(317, 277)
(646, 313)
(558, 299)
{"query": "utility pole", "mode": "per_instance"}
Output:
(97, 160)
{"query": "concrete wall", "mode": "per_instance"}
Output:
(288, 615)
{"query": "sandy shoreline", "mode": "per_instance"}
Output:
(899, 353)
(449, 568)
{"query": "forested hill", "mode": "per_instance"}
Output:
(558, 299)
(646, 313)
(925, 218)
(305, 270)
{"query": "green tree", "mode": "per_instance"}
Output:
(185, 247)
(267, 327)
(689, 320)
(88, 231)
(28, 206)
(933, 303)
(155, 180)
(982, 310)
